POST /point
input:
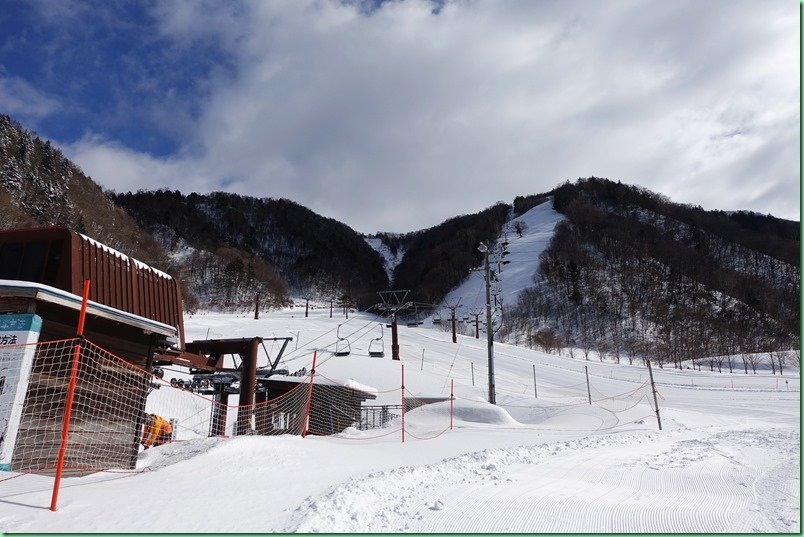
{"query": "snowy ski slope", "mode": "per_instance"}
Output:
(728, 459)
(538, 225)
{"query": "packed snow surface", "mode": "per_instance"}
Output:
(543, 460)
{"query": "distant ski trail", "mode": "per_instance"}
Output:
(676, 483)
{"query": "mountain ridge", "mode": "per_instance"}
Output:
(741, 266)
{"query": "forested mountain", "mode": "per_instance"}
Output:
(630, 273)
(627, 272)
(40, 187)
(316, 256)
(439, 258)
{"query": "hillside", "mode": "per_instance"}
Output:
(437, 259)
(630, 273)
(314, 255)
(40, 187)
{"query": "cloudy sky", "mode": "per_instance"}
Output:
(395, 116)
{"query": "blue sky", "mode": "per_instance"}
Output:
(106, 70)
(397, 115)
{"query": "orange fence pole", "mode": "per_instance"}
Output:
(309, 399)
(403, 403)
(65, 426)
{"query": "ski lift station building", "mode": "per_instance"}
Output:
(135, 313)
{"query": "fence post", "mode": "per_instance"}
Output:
(655, 400)
(309, 399)
(65, 426)
(588, 389)
(473, 372)
(451, 399)
(535, 393)
(403, 403)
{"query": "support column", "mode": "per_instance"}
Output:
(248, 381)
(394, 339)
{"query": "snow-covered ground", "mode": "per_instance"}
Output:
(727, 459)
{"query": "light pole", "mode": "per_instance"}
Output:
(489, 328)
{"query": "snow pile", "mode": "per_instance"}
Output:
(463, 413)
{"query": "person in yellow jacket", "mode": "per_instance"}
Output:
(157, 431)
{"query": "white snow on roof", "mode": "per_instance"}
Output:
(326, 381)
(139, 264)
(76, 300)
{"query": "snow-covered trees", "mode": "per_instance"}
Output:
(629, 272)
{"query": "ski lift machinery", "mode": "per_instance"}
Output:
(342, 346)
(377, 346)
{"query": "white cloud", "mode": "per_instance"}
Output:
(121, 169)
(400, 119)
(21, 100)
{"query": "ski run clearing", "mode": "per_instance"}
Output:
(727, 459)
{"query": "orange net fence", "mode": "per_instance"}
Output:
(114, 403)
(115, 407)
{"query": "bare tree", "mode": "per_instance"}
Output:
(753, 360)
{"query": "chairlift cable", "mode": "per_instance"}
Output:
(312, 340)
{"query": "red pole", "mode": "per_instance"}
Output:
(403, 403)
(451, 398)
(309, 399)
(65, 426)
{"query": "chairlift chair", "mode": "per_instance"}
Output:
(377, 346)
(342, 346)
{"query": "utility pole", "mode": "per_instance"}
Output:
(489, 328)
